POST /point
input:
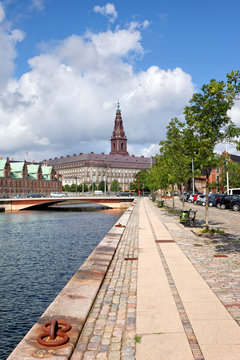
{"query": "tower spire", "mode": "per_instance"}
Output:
(118, 139)
(118, 108)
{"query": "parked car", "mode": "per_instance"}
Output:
(98, 192)
(35, 195)
(17, 196)
(235, 204)
(190, 198)
(234, 191)
(201, 200)
(186, 196)
(219, 199)
(124, 194)
(225, 201)
(58, 194)
(194, 200)
(212, 199)
(5, 196)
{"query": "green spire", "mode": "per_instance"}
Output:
(118, 108)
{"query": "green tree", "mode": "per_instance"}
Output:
(83, 187)
(176, 150)
(208, 120)
(115, 186)
(101, 186)
(133, 186)
(140, 181)
(230, 168)
(93, 187)
(72, 188)
(157, 176)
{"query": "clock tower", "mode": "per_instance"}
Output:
(118, 138)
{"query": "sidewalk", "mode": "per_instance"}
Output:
(154, 304)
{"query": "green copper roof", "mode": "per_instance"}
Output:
(2, 164)
(32, 170)
(17, 166)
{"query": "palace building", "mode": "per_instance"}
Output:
(21, 177)
(93, 168)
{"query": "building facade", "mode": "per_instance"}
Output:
(93, 168)
(17, 177)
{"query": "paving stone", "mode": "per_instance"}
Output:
(113, 316)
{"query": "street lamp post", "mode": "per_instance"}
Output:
(76, 184)
(193, 176)
(105, 187)
(227, 170)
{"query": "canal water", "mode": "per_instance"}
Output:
(40, 252)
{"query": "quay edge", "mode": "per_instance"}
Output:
(75, 301)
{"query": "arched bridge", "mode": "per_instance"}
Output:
(40, 203)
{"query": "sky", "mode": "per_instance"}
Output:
(64, 65)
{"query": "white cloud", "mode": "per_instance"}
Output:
(8, 40)
(37, 4)
(152, 150)
(66, 104)
(108, 10)
(234, 113)
(2, 13)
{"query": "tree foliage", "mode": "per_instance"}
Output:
(231, 168)
(177, 153)
(208, 120)
(140, 181)
(93, 187)
(101, 186)
(115, 186)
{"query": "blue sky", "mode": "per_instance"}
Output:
(66, 62)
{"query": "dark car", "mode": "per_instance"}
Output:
(5, 196)
(226, 199)
(213, 198)
(124, 194)
(219, 200)
(35, 195)
(235, 204)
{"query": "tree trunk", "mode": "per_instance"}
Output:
(207, 208)
(183, 202)
(173, 205)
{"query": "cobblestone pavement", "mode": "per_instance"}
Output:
(222, 274)
(109, 332)
(227, 220)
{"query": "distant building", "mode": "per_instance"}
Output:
(18, 177)
(215, 176)
(93, 168)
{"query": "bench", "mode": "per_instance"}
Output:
(160, 203)
(187, 217)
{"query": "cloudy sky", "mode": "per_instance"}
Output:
(65, 63)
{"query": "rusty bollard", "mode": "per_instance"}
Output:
(53, 329)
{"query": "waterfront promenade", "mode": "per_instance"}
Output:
(165, 295)
(157, 306)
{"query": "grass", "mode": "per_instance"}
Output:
(138, 339)
(208, 230)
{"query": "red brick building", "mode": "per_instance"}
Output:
(18, 177)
